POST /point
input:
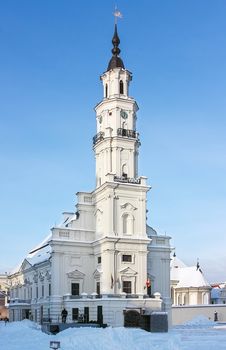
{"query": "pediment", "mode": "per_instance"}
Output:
(76, 274)
(128, 206)
(98, 211)
(25, 265)
(128, 272)
(97, 273)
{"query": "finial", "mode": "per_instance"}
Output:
(197, 264)
(116, 62)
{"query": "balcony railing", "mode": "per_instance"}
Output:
(128, 133)
(98, 137)
(126, 179)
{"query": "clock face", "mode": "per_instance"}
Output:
(123, 114)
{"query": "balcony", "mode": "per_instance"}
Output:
(128, 133)
(98, 137)
(125, 179)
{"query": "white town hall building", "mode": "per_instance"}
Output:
(102, 260)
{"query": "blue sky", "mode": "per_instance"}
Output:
(52, 54)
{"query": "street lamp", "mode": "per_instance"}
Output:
(54, 344)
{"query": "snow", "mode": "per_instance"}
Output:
(198, 334)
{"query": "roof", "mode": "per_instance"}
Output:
(40, 253)
(187, 276)
(191, 277)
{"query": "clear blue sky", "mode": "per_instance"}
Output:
(52, 54)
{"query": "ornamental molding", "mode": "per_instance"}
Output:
(128, 272)
(97, 273)
(76, 274)
(128, 206)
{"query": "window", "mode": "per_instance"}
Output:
(127, 287)
(106, 90)
(127, 258)
(86, 314)
(100, 314)
(49, 289)
(125, 223)
(75, 313)
(99, 259)
(42, 290)
(121, 89)
(36, 292)
(98, 288)
(75, 289)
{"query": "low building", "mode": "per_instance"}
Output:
(188, 284)
(4, 294)
(218, 293)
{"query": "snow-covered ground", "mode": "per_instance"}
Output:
(199, 334)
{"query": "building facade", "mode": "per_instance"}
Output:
(102, 260)
(4, 293)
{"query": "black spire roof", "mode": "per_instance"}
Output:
(115, 61)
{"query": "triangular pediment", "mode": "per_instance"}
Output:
(25, 265)
(97, 273)
(76, 274)
(128, 272)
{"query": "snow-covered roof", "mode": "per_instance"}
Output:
(187, 276)
(40, 253)
(191, 277)
(175, 266)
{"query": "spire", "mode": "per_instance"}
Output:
(115, 61)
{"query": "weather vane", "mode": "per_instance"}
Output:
(117, 14)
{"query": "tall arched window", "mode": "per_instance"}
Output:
(121, 87)
(106, 90)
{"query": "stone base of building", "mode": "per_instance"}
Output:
(112, 310)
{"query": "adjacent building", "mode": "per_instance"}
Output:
(188, 284)
(4, 293)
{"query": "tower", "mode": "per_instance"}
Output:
(120, 194)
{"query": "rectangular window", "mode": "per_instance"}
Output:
(31, 293)
(49, 289)
(36, 292)
(98, 288)
(75, 313)
(127, 258)
(86, 314)
(99, 259)
(42, 291)
(100, 314)
(75, 289)
(127, 287)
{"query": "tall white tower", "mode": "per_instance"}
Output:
(120, 194)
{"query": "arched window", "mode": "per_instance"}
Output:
(121, 87)
(106, 90)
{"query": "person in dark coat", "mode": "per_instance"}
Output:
(64, 315)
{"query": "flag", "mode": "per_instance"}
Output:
(117, 13)
(148, 283)
(112, 281)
